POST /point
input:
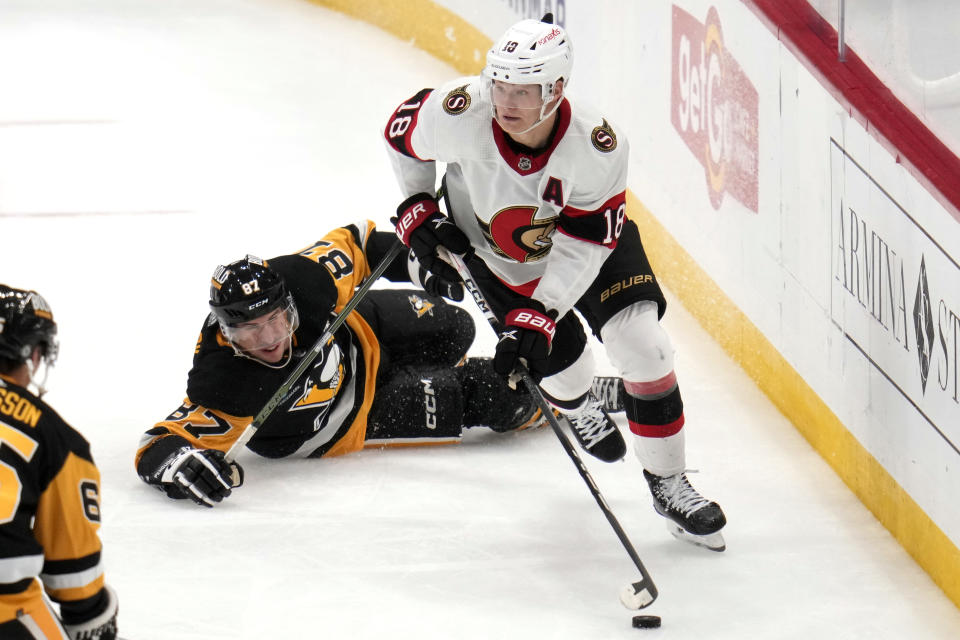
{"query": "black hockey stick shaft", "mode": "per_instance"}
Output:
(281, 394)
(644, 591)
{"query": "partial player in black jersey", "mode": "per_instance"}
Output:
(395, 373)
(49, 494)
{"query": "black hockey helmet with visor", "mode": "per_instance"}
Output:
(252, 305)
(26, 322)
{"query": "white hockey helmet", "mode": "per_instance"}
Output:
(532, 52)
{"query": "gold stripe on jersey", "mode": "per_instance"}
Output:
(67, 520)
(19, 408)
(399, 443)
(355, 436)
(33, 611)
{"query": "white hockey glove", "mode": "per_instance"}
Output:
(101, 627)
(203, 475)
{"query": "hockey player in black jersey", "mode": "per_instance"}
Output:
(393, 374)
(49, 494)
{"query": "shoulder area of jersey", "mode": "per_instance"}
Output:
(596, 131)
(460, 96)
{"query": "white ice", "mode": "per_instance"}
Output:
(141, 144)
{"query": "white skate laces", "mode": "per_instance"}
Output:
(680, 495)
(596, 432)
(609, 391)
(690, 517)
(591, 424)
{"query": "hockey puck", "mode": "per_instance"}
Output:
(646, 622)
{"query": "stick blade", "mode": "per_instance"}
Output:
(638, 595)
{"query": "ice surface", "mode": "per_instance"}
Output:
(141, 144)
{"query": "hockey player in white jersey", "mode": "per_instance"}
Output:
(535, 188)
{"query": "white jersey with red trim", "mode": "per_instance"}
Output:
(511, 201)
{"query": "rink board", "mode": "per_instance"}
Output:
(821, 263)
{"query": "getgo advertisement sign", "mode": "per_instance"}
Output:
(714, 108)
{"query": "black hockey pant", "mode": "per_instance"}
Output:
(426, 393)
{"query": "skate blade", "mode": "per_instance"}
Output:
(712, 541)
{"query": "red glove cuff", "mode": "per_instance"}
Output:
(533, 320)
(411, 214)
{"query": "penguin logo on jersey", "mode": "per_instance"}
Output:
(420, 306)
(515, 233)
(322, 385)
(603, 138)
(457, 101)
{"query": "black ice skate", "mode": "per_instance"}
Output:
(610, 392)
(690, 517)
(535, 420)
(596, 432)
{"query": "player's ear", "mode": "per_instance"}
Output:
(558, 88)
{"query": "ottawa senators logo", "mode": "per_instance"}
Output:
(603, 138)
(457, 101)
(514, 233)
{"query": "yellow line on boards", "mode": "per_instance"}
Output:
(747, 346)
(455, 41)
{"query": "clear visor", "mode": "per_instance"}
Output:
(40, 373)
(266, 332)
(507, 96)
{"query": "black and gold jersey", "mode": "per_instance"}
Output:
(325, 413)
(49, 507)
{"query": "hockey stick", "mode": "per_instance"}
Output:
(633, 596)
(284, 390)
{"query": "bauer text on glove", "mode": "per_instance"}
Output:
(525, 339)
(422, 227)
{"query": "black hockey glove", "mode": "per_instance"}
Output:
(525, 339)
(203, 475)
(433, 284)
(103, 626)
(422, 227)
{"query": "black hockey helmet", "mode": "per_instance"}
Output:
(26, 321)
(246, 289)
(255, 311)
